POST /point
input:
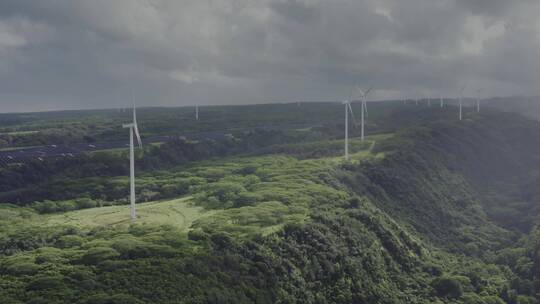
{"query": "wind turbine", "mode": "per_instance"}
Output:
(348, 108)
(363, 95)
(478, 100)
(197, 112)
(442, 102)
(461, 101)
(133, 130)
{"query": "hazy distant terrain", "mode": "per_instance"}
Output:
(527, 106)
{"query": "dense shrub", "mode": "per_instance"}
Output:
(97, 255)
(447, 287)
(63, 206)
(42, 282)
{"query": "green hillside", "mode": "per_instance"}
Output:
(445, 212)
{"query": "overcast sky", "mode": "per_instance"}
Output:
(65, 54)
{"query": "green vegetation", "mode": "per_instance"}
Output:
(179, 213)
(415, 217)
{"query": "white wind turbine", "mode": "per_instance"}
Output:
(442, 102)
(461, 101)
(478, 92)
(197, 112)
(133, 130)
(363, 95)
(348, 108)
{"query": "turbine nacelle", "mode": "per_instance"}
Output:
(363, 93)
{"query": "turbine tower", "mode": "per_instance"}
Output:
(348, 109)
(461, 102)
(197, 112)
(364, 113)
(442, 102)
(133, 130)
(478, 92)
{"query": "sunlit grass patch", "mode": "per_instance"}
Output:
(177, 212)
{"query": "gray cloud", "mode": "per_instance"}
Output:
(92, 53)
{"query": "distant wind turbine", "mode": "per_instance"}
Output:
(461, 101)
(348, 109)
(442, 102)
(363, 95)
(478, 99)
(197, 112)
(133, 131)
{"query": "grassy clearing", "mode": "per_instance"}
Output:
(178, 213)
(20, 133)
(115, 151)
(358, 150)
(18, 148)
(183, 214)
(120, 151)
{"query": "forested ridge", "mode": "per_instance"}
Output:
(443, 213)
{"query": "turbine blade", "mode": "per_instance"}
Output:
(365, 108)
(360, 91)
(136, 128)
(367, 91)
(352, 113)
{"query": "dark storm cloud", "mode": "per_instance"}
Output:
(92, 53)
